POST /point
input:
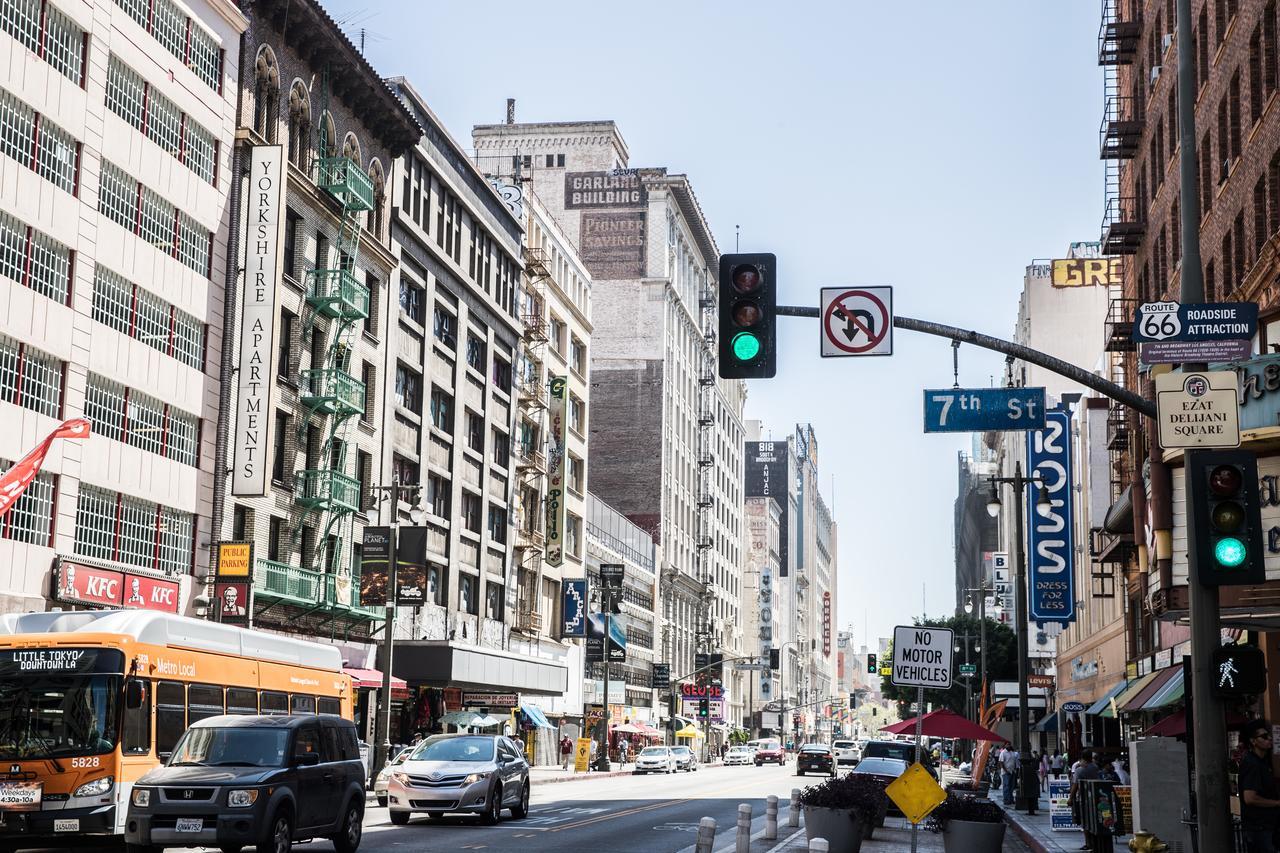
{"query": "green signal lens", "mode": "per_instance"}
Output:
(746, 346)
(1229, 552)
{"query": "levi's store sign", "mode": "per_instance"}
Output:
(79, 583)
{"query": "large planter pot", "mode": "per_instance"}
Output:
(967, 836)
(842, 830)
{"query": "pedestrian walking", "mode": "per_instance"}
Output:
(1085, 771)
(566, 752)
(1042, 768)
(624, 746)
(1008, 773)
(594, 750)
(1057, 763)
(1259, 794)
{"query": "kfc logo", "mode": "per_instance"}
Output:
(83, 584)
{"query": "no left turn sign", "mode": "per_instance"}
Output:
(857, 321)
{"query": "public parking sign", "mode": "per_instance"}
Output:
(1170, 333)
(922, 656)
(982, 409)
(857, 321)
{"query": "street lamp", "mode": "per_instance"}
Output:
(606, 597)
(1029, 783)
(981, 593)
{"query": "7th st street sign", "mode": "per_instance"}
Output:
(982, 409)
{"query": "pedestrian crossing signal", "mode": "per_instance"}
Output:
(1239, 671)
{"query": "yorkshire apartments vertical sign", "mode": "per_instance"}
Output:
(257, 320)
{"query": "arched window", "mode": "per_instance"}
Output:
(378, 214)
(266, 95)
(328, 136)
(351, 148)
(299, 126)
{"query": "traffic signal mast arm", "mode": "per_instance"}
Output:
(1077, 374)
(714, 665)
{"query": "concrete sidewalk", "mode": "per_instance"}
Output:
(895, 835)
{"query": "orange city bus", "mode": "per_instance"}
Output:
(90, 701)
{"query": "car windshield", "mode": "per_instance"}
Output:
(654, 750)
(741, 749)
(231, 746)
(680, 750)
(883, 766)
(55, 716)
(454, 749)
(770, 744)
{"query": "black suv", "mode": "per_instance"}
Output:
(249, 780)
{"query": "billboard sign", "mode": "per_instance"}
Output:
(766, 477)
(557, 468)
(375, 563)
(1051, 552)
(573, 607)
(411, 566)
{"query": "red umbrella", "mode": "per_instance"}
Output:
(943, 723)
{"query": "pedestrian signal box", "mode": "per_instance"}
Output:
(1239, 671)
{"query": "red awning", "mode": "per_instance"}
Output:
(1175, 725)
(373, 678)
(943, 723)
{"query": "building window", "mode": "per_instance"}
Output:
(49, 34)
(502, 374)
(285, 343)
(577, 474)
(142, 211)
(467, 602)
(578, 356)
(30, 519)
(529, 440)
(266, 95)
(30, 378)
(411, 299)
(435, 584)
(364, 473)
(375, 217)
(33, 141)
(374, 284)
(475, 432)
(497, 524)
(292, 224)
(408, 389)
(159, 119)
(560, 160)
(114, 526)
(300, 127)
(438, 495)
(275, 538)
(181, 35)
(501, 448)
(281, 467)
(33, 260)
(241, 522)
(124, 414)
(404, 471)
(477, 353)
(369, 376)
(573, 534)
(557, 334)
(441, 410)
(577, 415)
(445, 327)
(493, 601)
(471, 511)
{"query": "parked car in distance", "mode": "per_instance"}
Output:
(235, 781)
(384, 775)
(815, 758)
(884, 769)
(739, 755)
(478, 774)
(902, 750)
(846, 752)
(685, 759)
(655, 759)
(770, 752)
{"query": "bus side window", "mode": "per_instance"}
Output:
(137, 723)
(302, 704)
(242, 701)
(274, 703)
(328, 705)
(171, 715)
(203, 701)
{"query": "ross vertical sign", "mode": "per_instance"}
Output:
(254, 382)
(411, 566)
(1050, 553)
(573, 608)
(766, 477)
(557, 466)
(375, 560)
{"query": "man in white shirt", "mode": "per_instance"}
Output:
(1008, 772)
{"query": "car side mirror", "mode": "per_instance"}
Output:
(135, 695)
(307, 759)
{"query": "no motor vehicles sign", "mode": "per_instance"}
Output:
(921, 656)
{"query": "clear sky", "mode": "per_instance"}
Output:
(937, 147)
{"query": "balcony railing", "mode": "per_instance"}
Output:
(333, 391)
(1123, 226)
(1121, 128)
(336, 293)
(348, 600)
(1118, 329)
(307, 588)
(1119, 33)
(346, 182)
(326, 489)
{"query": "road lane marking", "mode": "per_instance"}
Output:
(623, 813)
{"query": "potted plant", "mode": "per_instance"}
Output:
(969, 824)
(843, 810)
(968, 788)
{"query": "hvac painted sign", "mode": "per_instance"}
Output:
(1051, 557)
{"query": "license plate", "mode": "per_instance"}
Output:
(189, 824)
(21, 796)
(66, 825)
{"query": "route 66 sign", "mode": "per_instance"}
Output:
(1157, 321)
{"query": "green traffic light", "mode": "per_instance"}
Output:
(746, 346)
(1229, 552)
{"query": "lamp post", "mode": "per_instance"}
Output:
(981, 592)
(607, 596)
(1028, 782)
(782, 686)
(966, 639)
(392, 493)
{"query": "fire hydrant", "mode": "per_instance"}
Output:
(1145, 842)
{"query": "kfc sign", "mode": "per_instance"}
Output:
(79, 583)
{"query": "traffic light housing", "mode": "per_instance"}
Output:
(704, 708)
(1224, 518)
(871, 664)
(748, 316)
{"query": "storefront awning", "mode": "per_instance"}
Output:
(373, 678)
(535, 715)
(1132, 689)
(1048, 724)
(446, 663)
(1137, 700)
(1104, 703)
(1168, 693)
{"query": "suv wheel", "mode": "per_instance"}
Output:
(279, 837)
(520, 811)
(493, 811)
(348, 838)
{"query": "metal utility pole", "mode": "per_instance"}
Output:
(610, 593)
(981, 592)
(1213, 817)
(1028, 782)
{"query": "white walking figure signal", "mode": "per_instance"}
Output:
(1226, 673)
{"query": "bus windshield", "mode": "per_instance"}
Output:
(57, 716)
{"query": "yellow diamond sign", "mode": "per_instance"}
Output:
(915, 793)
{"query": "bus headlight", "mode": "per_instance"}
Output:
(96, 788)
(141, 797)
(242, 798)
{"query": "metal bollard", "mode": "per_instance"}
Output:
(744, 828)
(771, 818)
(818, 845)
(706, 835)
(793, 812)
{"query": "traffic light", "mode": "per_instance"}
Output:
(1224, 529)
(748, 316)
(1239, 671)
(871, 664)
(704, 708)
(775, 659)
